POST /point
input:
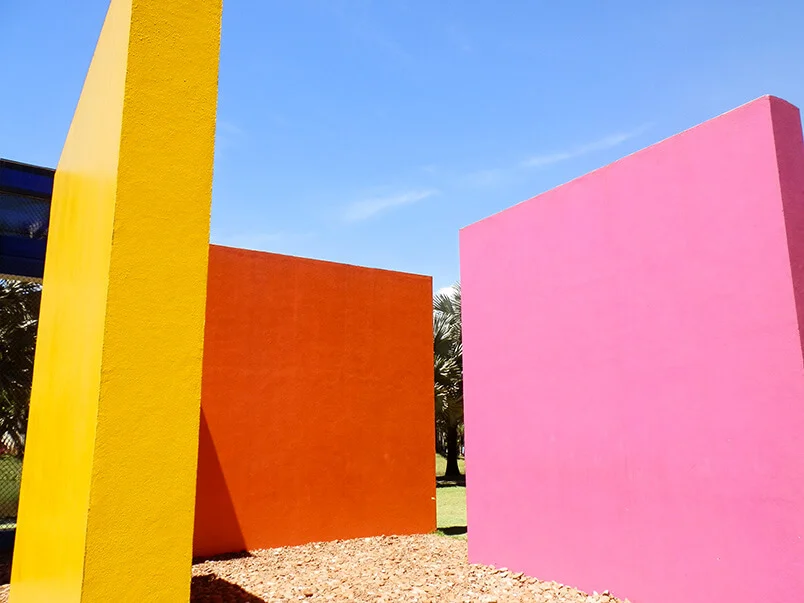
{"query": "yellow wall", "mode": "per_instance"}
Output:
(106, 510)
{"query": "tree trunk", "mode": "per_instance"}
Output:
(452, 451)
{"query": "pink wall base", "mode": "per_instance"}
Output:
(634, 374)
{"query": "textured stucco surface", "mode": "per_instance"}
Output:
(317, 405)
(106, 508)
(636, 422)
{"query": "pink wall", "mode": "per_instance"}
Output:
(634, 375)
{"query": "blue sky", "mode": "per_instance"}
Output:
(370, 131)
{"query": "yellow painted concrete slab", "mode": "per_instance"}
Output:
(106, 508)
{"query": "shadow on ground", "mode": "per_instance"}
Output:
(445, 482)
(453, 530)
(211, 588)
(223, 557)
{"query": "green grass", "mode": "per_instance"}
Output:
(10, 473)
(441, 465)
(450, 504)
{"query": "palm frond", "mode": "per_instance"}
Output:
(19, 314)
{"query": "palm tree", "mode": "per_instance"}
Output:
(448, 356)
(19, 316)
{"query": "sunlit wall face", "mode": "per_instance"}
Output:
(632, 370)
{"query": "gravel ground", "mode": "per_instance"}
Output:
(391, 569)
(408, 568)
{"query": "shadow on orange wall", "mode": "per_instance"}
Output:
(212, 489)
(317, 403)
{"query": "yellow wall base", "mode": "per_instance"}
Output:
(106, 508)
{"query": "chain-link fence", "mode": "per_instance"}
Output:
(25, 192)
(24, 215)
(19, 313)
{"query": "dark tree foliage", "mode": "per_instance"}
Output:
(19, 315)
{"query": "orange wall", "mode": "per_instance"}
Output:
(317, 403)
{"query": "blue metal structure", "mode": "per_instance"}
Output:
(25, 194)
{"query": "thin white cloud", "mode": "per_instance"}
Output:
(228, 127)
(488, 177)
(458, 38)
(499, 175)
(609, 142)
(261, 241)
(368, 208)
(449, 291)
(356, 20)
(227, 135)
(249, 240)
